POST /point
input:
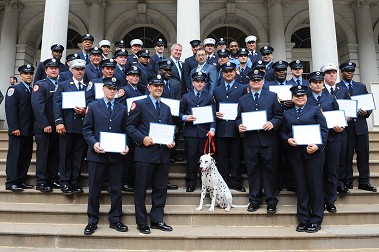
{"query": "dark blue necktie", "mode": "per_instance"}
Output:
(158, 108)
(87, 59)
(350, 89)
(109, 107)
(332, 91)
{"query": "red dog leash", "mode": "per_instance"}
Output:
(209, 146)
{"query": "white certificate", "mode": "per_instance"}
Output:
(283, 92)
(162, 133)
(365, 101)
(307, 134)
(349, 106)
(335, 118)
(173, 104)
(73, 99)
(229, 110)
(99, 93)
(203, 114)
(112, 142)
(130, 100)
(254, 120)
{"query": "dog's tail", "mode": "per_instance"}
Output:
(239, 206)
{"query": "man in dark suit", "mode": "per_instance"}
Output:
(87, 42)
(260, 146)
(93, 69)
(159, 46)
(251, 45)
(177, 76)
(67, 75)
(152, 160)
(119, 71)
(208, 69)
(145, 68)
(195, 135)
(190, 63)
(104, 115)
(19, 113)
(297, 69)
(357, 132)
(267, 57)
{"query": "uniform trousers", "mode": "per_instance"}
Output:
(20, 149)
(47, 164)
(229, 154)
(261, 163)
(194, 150)
(332, 158)
(96, 172)
(129, 170)
(155, 174)
(342, 167)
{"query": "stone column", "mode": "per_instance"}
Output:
(188, 24)
(276, 26)
(55, 25)
(96, 19)
(321, 17)
(8, 43)
(368, 67)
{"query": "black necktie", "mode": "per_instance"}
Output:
(318, 98)
(109, 105)
(158, 108)
(80, 85)
(256, 97)
(331, 91)
(298, 82)
(123, 70)
(197, 96)
(161, 58)
(350, 89)
(242, 70)
(87, 59)
(30, 89)
(281, 83)
(298, 110)
(228, 88)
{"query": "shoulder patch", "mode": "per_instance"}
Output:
(121, 92)
(10, 92)
(36, 88)
(133, 106)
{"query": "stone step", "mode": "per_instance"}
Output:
(29, 249)
(71, 236)
(186, 215)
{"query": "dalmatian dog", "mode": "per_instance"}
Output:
(213, 182)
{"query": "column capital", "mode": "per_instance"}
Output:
(15, 4)
(271, 3)
(101, 3)
(361, 3)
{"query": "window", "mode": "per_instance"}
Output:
(146, 34)
(302, 38)
(229, 34)
(73, 40)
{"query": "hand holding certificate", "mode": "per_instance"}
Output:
(254, 120)
(228, 110)
(307, 134)
(73, 99)
(113, 142)
(162, 133)
(203, 114)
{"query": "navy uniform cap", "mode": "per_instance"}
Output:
(132, 70)
(266, 50)
(221, 41)
(96, 50)
(143, 53)
(256, 75)
(121, 52)
(165, 64)
(316, 76)
(223, 52)
(26, 69)
(87, 37)
(57, 47)
(51, 63)
(296, 64)
(155, 80)
(120, 43)
(199, 76)
(228, 66)
(281, 64)
(242, 51)
(195, 42)
(259, 64)
(158, 42)
(348, 66)
(111, 82)
(72, 57)
(108, 63)
(299, 90)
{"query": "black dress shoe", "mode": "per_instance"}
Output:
(161, 226)
(15, 188)
(66, 190)
(171, 186)
(312, 228)
(367, 187)
(106, 188)
(291, 188)
(119, 226)
(330, 207)
(252, 207)
(55, 185)
(26, 186)
(349, 185)
(43, 188)
(178, 159)
(190, 189)
(127, 188)
(238, 188)
(271, 209)
(90, 229)
(301, 227)
(144, 229)
(343, 189)
(76, 188)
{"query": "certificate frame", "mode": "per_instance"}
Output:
(115, 144)
(307, 134)
(351, 112)
(365, 101)
(225, 106)
(80, 97)
(208, 117)
(173, 104)
(161, 136)
(335, 118)
(283, 92)
(255, 124)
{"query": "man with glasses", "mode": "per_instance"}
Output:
(208, 69)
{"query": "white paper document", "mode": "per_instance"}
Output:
(112, 142)
(254, 120)
(203, 114)
(283, 91)
(229, 110)
(173, 104)
(99, 93)
(307, 134)
(162, 133)
(365, 101)
(130, 100)
(349, 106)
(73, 99)
(335, 118)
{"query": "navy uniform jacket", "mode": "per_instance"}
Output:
(267, 101)
(131, 60)
(126, 92)
(255, 57)
(40, 72)
(167, 90)
(269, 72)
(145, 73)
(213, 60)
(143, 113)
(154, 63)
(303, 82)
(98, 120)
(91, 73)
(186, 104)
(18, 109)
(244, 76)
(73, 122)
(120, 75)
(189, 64)
(211, 79)
(360, 122)
(226, 128)
(339, 92)
(67, 75)
(42, 104)
(176, 81)
(308, 115)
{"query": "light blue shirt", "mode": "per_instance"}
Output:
(106, 103)
(154, 101)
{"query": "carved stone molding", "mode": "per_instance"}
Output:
(230, 8)
(284, 3)
(15, 4)
(141, 7)
(361, 3)
(101, 3)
